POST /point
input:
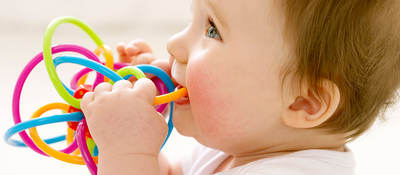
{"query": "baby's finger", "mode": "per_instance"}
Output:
(86, 99)
(102, 88)
(145, 58)
(121, 49)
(122, 84)
(141, 45)
(123, 57)
(131, 51)
(146, 88)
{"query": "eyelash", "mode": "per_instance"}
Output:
(211, 22)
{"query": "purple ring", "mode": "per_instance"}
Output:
(24, 75)
(87, 157)
(77, 76)
(162, 88)
(71, 148)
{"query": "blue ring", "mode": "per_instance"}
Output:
(74, 117)
(90, 64)
(95, 151)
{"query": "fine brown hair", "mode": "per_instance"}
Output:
(353, 43)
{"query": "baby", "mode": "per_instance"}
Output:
(275, 87)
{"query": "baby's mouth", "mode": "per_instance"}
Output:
(184, 100)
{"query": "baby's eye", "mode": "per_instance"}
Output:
(212, 31)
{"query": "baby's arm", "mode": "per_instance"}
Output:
(126, 165)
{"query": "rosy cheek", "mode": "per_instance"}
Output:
(210, 106)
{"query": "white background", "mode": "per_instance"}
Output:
(22, 25)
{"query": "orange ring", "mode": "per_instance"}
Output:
(70, 136)
(46, 148)
(166, 98)
(82, 80)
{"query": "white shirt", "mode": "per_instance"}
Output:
(204, 161)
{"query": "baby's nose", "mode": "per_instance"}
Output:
(177, 46)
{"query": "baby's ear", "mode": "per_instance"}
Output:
(305, 110)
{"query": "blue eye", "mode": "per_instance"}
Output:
(212, 31)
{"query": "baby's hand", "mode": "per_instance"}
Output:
(122, 119)
(135, 52)
(139, 52)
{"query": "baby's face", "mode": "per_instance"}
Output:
(231, 68)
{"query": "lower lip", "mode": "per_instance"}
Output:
(183, 100)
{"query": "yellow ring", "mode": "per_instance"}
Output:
(107, 55)
(70, 135)
(46, 148)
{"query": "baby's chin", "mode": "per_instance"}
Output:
(183, 120)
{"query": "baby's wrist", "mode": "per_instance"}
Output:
(128, 155)
(131, 151)
(109, 163)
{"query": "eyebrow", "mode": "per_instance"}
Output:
(213, 6)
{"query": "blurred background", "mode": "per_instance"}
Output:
(22, 27)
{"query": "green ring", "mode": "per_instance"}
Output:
(130, 70)
(48, 56)
(90, 144)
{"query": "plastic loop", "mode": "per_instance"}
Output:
(20, 84)
(48, 56)
(47, 149)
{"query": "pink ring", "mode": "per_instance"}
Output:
(24, 75)
(87, 157)
(77, 76)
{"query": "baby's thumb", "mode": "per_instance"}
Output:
(123, 57)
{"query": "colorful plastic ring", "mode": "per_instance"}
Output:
(87, 157)
(39, 122)
(47, 149)
(24, 75)
(48, 56)
(108, 57)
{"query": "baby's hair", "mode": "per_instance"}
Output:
(353, 43)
